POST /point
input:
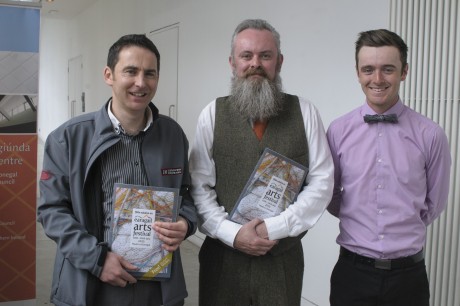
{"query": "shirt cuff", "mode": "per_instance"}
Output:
(227, 232)
(276, 228)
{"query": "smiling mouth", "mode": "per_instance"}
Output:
(138, 94)
(378, 89)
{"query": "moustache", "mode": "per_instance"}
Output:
(256, 71)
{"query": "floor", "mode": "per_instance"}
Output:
(45, 258)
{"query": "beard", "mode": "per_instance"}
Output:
(257, 99)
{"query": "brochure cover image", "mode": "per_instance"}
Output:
(272, 187)
(135, 209)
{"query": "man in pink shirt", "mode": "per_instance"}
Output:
(392, 169)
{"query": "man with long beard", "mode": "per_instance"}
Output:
(260, 262)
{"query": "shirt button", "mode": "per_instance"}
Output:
(379, 186)
(136, 163)
(381, 237)
(380, 211)
(380, 134)
(379, 160)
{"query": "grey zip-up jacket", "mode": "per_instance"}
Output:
(70, 206)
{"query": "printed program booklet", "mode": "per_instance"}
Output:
(135, 209)
(272, 187)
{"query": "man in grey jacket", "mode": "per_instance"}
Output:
(127, 142)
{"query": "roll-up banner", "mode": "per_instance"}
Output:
(19, 62)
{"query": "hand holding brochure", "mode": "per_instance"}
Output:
(273, 186)
(135, 209)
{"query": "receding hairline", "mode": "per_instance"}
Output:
(255, 24)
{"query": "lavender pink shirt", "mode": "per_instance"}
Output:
(391, 181)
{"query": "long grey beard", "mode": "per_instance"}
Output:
(258, 99)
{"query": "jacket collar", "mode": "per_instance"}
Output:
(104, 134)
(116, 123)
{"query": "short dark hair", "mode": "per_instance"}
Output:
(380, 38)
(139, 40)
(256, 24)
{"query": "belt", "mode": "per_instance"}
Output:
(384, 264)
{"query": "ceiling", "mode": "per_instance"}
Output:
(57, 9)
(64, 9)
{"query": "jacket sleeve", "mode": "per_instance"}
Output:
(62, 213)
(187, 209)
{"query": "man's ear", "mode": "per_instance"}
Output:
(280, 62)
(231, 62)
(108, 76)
(404, 72)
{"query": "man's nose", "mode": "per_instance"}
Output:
(378, 76)
(140, 80)
(255, 62)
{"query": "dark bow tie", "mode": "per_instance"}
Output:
(391, 118)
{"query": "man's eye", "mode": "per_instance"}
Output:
(367, 70)
(388, 70)
(151, 75)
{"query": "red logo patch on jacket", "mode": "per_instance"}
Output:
(171, 171)
(46, 175)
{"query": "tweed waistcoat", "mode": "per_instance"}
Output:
(237, 149)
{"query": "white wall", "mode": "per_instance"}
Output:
(90, 35)
(52, 107)
(317, 39)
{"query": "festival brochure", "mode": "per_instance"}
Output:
(272, 187)
(135, 209)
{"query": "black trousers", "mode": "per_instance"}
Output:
(358, 284)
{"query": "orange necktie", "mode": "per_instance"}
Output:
(259, 128)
